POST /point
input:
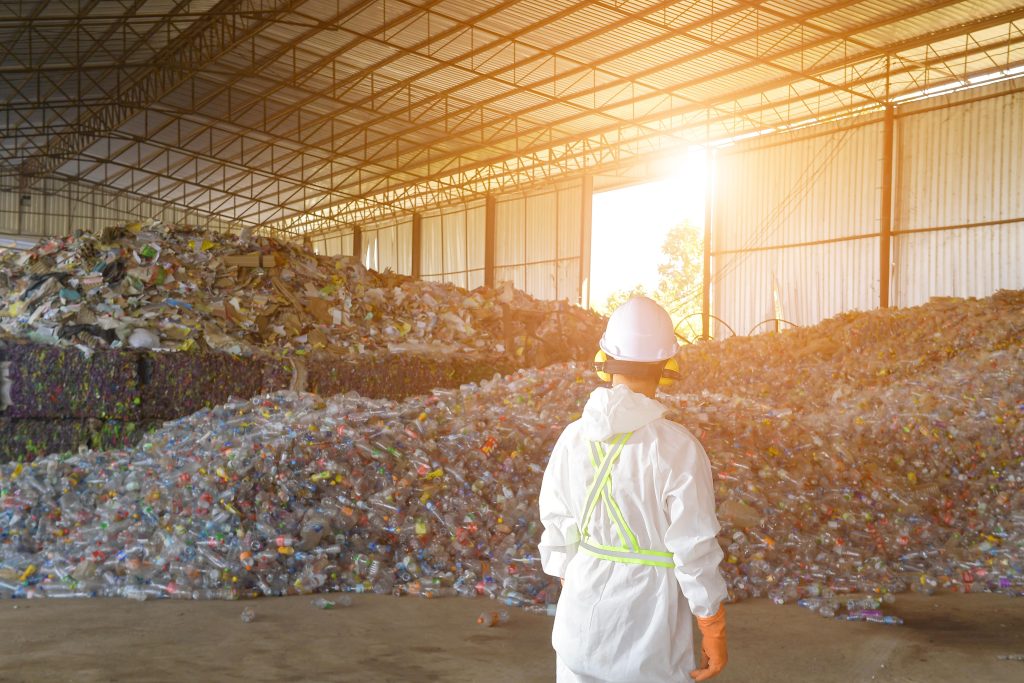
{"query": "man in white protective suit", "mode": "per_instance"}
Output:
(628, 508)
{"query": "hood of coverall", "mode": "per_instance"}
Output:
(617, 410)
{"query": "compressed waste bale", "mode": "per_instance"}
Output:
(398, 375)
(162, 386)
(27, 438)
(117, 434)
(23, 439)
(177, 384)
(278, 374)
(64, 383)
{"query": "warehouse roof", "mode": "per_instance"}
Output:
(314, 114)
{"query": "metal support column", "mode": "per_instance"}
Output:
(885, 232)
(417, 245)
(586, 228)
(357, 243)
(709, 213)
(490, 234)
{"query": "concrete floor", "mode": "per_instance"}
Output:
(946, 639)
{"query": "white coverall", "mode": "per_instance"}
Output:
(630, 622)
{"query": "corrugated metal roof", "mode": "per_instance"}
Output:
(242, 96)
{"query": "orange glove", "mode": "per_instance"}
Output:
(714, 654)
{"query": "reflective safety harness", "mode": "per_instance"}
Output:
(629, 552)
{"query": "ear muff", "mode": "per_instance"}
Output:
(600, 358)
(670, 375)
(605, 367)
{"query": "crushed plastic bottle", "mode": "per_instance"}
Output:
(323, 603)
(493, 618)
(248, 615)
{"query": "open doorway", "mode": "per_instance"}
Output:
(648, 239)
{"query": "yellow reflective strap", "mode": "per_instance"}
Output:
(650, 558)
(643, 551)
(621, 528)
(603, 473)
(591, 500)
(630, 551)
(625, 533)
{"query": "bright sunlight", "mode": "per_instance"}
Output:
(630, 225)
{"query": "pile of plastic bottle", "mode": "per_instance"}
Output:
(289, 493)
(911, 484)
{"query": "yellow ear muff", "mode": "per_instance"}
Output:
(599, 360)
(670, 375)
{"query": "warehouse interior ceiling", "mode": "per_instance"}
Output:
(311, 115)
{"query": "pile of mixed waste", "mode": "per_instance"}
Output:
(160, 286)
(832, 478)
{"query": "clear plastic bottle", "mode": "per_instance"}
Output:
(321, 602)
(866, 603)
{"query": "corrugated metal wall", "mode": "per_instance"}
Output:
(453, 245)
(798, 215)
(537, 242)
(388, 246)
(961, 163)
(795, 226)
(58, 208)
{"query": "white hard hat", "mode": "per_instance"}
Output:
(641, 331)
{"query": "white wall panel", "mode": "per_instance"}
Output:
(961, 161)
(514, 274)
(453, 240)
(811, 186)
(58, 208)
(370, 251)
(509, 232)
(542, 227)
(568, 276)
(800, 284)
(537, 243)
(476, 228)
(9, 223)
(387, 248)
(474, 279)
(431, 259)
(387, 244)
(958, 218)
(969, 262)
(381, 248)
(540, 230)
(570, 218)
(403, 246)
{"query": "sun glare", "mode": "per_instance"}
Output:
(629, 226)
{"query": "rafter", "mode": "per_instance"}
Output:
(316, 114)
(201, 43)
